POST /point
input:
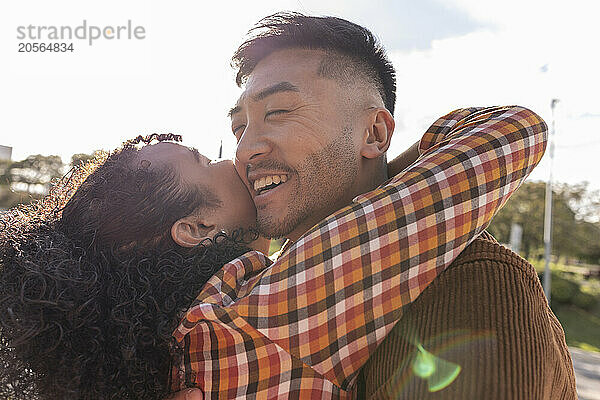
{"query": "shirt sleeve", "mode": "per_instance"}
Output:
(333, 296)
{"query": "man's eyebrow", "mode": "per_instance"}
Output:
(276, 88)
(263, 94)
(234, 110)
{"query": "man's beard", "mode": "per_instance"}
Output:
(323, 179)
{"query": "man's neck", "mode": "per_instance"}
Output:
(366, 182)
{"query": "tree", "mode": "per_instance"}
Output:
(33, 174)
(575, 233)
(28, 179)
(588, 236)
(526, 208)
(82, 158)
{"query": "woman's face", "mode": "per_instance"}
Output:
(235, 208)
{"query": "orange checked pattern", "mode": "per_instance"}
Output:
(303, 326)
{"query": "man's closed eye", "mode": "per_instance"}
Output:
(275, 112)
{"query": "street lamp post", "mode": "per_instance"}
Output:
(548, 209)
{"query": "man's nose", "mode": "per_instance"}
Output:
(253, 145)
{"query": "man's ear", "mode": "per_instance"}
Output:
(378, 134)
(190, 231)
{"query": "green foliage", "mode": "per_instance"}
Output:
(526, 209)
(82, 158)
(576, 303)
(575, 229)
(567, 289)
(563, 290)
(29, 179)
(275, 246)
(581, 327)
(584, 300)
(36, 170)
(32, 175)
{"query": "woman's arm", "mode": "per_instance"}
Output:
(319, 312)
(404, 160)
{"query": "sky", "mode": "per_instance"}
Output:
(177, 78)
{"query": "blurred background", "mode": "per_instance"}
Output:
(57, 109)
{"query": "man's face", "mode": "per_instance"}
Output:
(297, 151)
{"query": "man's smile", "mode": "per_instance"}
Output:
(268, 182)
(269, 194)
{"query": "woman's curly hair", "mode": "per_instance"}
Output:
(92, 285)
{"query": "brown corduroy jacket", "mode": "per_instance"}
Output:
(486, 313)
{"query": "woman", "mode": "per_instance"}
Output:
(94, 277)
(92, 294)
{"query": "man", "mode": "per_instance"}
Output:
(313, 126)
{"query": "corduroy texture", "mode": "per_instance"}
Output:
(487, 313)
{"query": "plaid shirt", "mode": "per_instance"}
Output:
(302, 327)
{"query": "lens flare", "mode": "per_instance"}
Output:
(439, 373)
(428, 367)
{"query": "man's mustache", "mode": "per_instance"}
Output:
(268, 165)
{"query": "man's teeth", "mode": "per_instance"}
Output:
(269, 180)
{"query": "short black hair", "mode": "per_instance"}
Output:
(352, 49)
